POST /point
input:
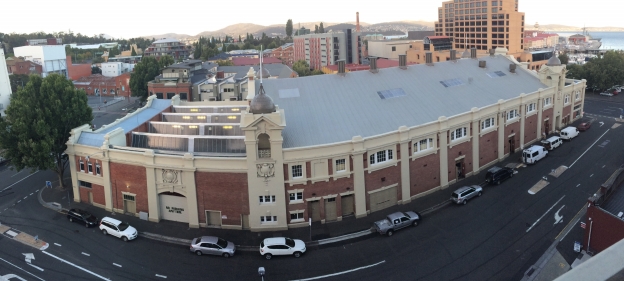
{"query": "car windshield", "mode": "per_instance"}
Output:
(123, 226)
(408, 216)
(222, 243)
(290, 242)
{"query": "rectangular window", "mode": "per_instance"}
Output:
(380, 156)
(459, 133)
(298, 216)
(487, 123)
(90, 166)
(81, 166)
(267, 198)
(531, 107)
(423, 144)
(268, 219)
(296, 196)
(512, 114)
(577, 95)
(84, 184)
(547, 102)
(566, 99)
(97, 169)
(341, 165)
(297, 171)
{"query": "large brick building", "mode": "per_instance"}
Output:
(21, 66)
(286, 53)
(77, 71)
(97, 84)
(321, 147)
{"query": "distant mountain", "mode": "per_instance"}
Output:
(168, 35)
(561, 28)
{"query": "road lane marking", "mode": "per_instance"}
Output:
(86, 254)
(20, 180)
(31, 194)
(119, 265)
(604, 166)
(22, 269)
(340, 273)
(41, 269)
(545, 214)
(161, 276)
(578, 185)
(79, 267)
(17, 173)
(25, 197)
(57, 244)
(591, 175)
(577, 159)
(18, 201)
(558, 218)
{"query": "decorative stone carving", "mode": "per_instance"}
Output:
(265, 170)
(169, 176)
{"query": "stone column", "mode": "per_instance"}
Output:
(108, 194)
(522, 121)
(74, 177)
(359, 183)
(405, 165)
(443, 137)
(152, 194)
(188, 179)
(475, 146)
(501, 134)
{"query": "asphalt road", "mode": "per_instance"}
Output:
(497, 236)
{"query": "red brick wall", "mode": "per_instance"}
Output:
(77, 71)
(98, 194)
(424, 173)
(93, 162)
(123, 85)
(225, 192)
(605, 231)
(463, 149)
(512, 129)
(488, 148)
(132, 179)
(390, 175)
(530, 128)
(84, 194)
(548, 114)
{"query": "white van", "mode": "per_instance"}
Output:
(534, 154)
(552, 142)
(569, 133)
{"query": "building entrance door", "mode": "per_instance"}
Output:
(330, 209)
(315, 210)
(129, 204)
(512, 145)
(346, 203)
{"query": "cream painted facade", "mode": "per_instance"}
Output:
(388, 49)
(5, 85)
(273, 175)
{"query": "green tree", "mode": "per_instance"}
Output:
(144, 72)
(321, 28)
(224, 62)
(38, 122)
(133, 52)
(96, 70)
(165, 61)
(564, 58)
(302, 68)
(316, 30)
(273, 45)
(317, 72)
(289, 28)
(17, 81)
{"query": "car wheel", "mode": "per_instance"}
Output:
(226, 255)
(390, 232)
(71, 219)
(268, 256)
(104, 231)
(415, 223)
(199, 253)
(297, 254)
(124, 238)
(479, 194)
(465, 201)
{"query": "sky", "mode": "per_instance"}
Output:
(127, 19)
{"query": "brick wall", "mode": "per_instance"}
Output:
(488, 148)
(84, 194)
(384, 177)
(98, 194)
(530, 128)
(606, 229)
(154, 88)
(512, 129)
(225, 192)
(77, 71)
(131, 179)
(462, 149)
(424, 173)
(548, 114)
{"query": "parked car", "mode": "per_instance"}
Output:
(606, 94)
(118, 228)
(569, 133)
(279, 246)
(534, 154)
(552, 142)
(463, 194)
(584, 126)
(82, 217)
(396, 221)
(497, 174)
(211, 245)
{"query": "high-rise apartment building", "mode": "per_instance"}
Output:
(325, 49)
(482, 25)
(172, 47)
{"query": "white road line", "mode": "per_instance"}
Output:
(577, 159)
(18, 202)
(591, 175)
(545, 214)
(86, 254)
(118, 265)
(20, 180)
(604, 166)
(41, 269)
(161, 276)
(31, 194)
(79, 267)
(578, 185)
(21, 269)
(569, 229)
(57, 244)
(340, 273)
(25, 197)
(17, 173)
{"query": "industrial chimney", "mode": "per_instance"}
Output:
(373, 64)
(403, 61)
(341, 67)
(357, 21)
(453, 55)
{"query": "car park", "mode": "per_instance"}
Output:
(83, 217)
(552, 142)
(396, 221)
(584, 126)
(280, 246)
(463, 194)
(118, 229)
(211, 245)
(498, 174)
(534, 154)
(569, 133)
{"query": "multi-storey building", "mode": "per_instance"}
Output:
(286, 53)
(482, 25)
(325, 49)
(51, 58)
(21, 66)
(171, 47)
(5, 84)
(320, 148)
(77, 71)
(47, 41)
(97, 84)
(113, 69)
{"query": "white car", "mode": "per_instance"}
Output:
(279, 246)
(118, 229)
(606, 94)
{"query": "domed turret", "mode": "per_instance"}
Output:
(261, 103)
(553, 61)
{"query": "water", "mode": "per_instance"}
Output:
(610, 40)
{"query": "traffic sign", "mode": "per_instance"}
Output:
(583, 225)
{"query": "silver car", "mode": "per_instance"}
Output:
(463, 194)
(211, 245)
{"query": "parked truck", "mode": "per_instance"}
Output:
(396, 221)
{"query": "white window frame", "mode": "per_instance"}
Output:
(381, 156)
(462, 131)
(298, 195)
(512, 115)
(81, 165)
(89, 168)
(484, 122)
(566, 99)
(577, 95)
(297, 213)
(343, 164)
(426, 142)
(293, 169)
(531, 107)
(266, 199)
(268, 219)
(547, 101)
(98, 169)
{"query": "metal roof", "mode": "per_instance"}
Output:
(128, 124)
(615, 203)
(279, 70)
(334, 108)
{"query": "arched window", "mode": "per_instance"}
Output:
(264, 146)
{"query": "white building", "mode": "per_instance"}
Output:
(51, 58)
(114, 69)
(5, 85)
(388, 49)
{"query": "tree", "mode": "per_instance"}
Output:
(133, 52)
(302, 68)
(38, 122)
(321, 29)
(144, 72)
(316, 30)
(96, 70)
(564, 58)
(289, 28)
(317, 72)
(18, 80)
(224, 62)
(165, 61)
(273, 45)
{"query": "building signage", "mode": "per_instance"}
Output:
(174, 210)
